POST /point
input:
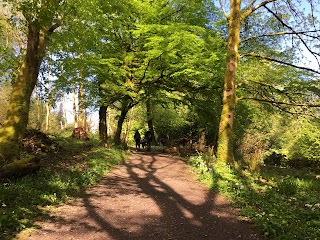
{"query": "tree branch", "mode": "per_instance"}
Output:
(280, 102)
(282, 33)
(281, 62)
(254, 8)
(223, 10)
(304, 114)
(298, 35)
(53, 27)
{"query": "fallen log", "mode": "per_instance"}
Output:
(20, 168)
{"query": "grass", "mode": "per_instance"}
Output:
(62, 176)
(283, 203)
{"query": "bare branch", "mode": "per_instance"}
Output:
(254, 8)
(301, 39)
(281, 103)
(224, 11)
(252, 4)
(296, 113)
(281, 62)
(283, 33)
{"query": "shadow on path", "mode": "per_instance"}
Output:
(151, 196)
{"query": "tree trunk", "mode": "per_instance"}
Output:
(103, 131)
(60, 116)
(82, 118)
(126, 106)
(74, 104)
(149, 119)
(117, 136)
(110, 129)
(128, 126)
(16, 121)
(64, 111)
(225, 143)
(38, 110)
(202, 140)
(48, 112)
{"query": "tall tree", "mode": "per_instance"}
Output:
(41, 21)
(237, 21)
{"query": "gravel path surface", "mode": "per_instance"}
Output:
(151, 196)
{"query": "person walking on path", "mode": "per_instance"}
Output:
(150, 196)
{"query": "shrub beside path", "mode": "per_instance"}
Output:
(151, 196)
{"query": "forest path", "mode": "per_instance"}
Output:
(151, 196)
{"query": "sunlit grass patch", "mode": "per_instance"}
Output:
(282, 203)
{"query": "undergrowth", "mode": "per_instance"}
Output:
(62, 176)
(282, 203)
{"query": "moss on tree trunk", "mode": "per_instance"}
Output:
(225, 143)
(16, 121)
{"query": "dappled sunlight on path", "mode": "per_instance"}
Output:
(151, 196)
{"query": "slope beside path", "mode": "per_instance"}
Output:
(150, 196)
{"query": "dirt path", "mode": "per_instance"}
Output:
(151, 196)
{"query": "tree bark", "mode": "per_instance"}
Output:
(39, 110)
(16, 121)
(149, 119)
(225, 143)
(65, 112)
(74, 104)
(202, 140)
(60, 116)
(103, 130)
(128, 126)
(82, 119)
(48, 112)
(126, 106)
